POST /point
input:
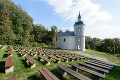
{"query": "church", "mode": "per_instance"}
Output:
(73, 40)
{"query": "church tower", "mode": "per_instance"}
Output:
(79, 33)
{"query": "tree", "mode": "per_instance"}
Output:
(88, 42)
(14, 23)
(96, 42)
(54, 33)
(5, 22)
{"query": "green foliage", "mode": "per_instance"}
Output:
(43, 45)
(88, 42)
(105, 45)
(33, 44)
(54, 33)
(17, 28)
(14, 23)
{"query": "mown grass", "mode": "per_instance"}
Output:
(23, 72)
(114, 73)
(112, 58)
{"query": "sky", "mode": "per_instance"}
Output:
(101, 17)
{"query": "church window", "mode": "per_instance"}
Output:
(78, 29)
(78, 40)
(64, 39)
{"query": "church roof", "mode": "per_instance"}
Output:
(67, 33)
(79, 20)
(79, 23)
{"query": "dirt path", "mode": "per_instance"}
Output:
(93, 56)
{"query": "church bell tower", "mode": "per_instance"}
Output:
(79, 33)
(79, 27)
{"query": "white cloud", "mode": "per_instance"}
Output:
(103, 31)
(68, 10)
(91, 15)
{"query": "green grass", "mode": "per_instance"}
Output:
(112, 58)
(23, 72)
(114, 73)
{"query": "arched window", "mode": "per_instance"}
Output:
(64, 39)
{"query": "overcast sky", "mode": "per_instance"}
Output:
(102, 17)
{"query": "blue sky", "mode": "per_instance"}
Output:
(102, 17)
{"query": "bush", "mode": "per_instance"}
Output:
(34, 44)
(43, 45)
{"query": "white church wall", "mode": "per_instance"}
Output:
(71, 43)
(82, 30)
(68, 44)
(77, 42)
(75, 30)
(79, 29)
(82, 42)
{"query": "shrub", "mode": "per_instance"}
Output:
(43, 45)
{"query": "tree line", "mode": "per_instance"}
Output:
(108, 45)
(17, 27)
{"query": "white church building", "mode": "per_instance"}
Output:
(73, 40)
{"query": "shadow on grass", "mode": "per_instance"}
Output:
(19, 55)
(6, 51)
(5, 55)
(2, 64)
(25, 64)
(56, 72)
(16, 51)
(39, 61)
(33, 77)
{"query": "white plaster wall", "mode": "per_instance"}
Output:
(75, 30)
(82, 42)
(68, 44)
(71, 43)
(82, 29)
(78, 38)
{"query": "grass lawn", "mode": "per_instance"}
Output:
(114, 73)
(23, 72)
(112, 58)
